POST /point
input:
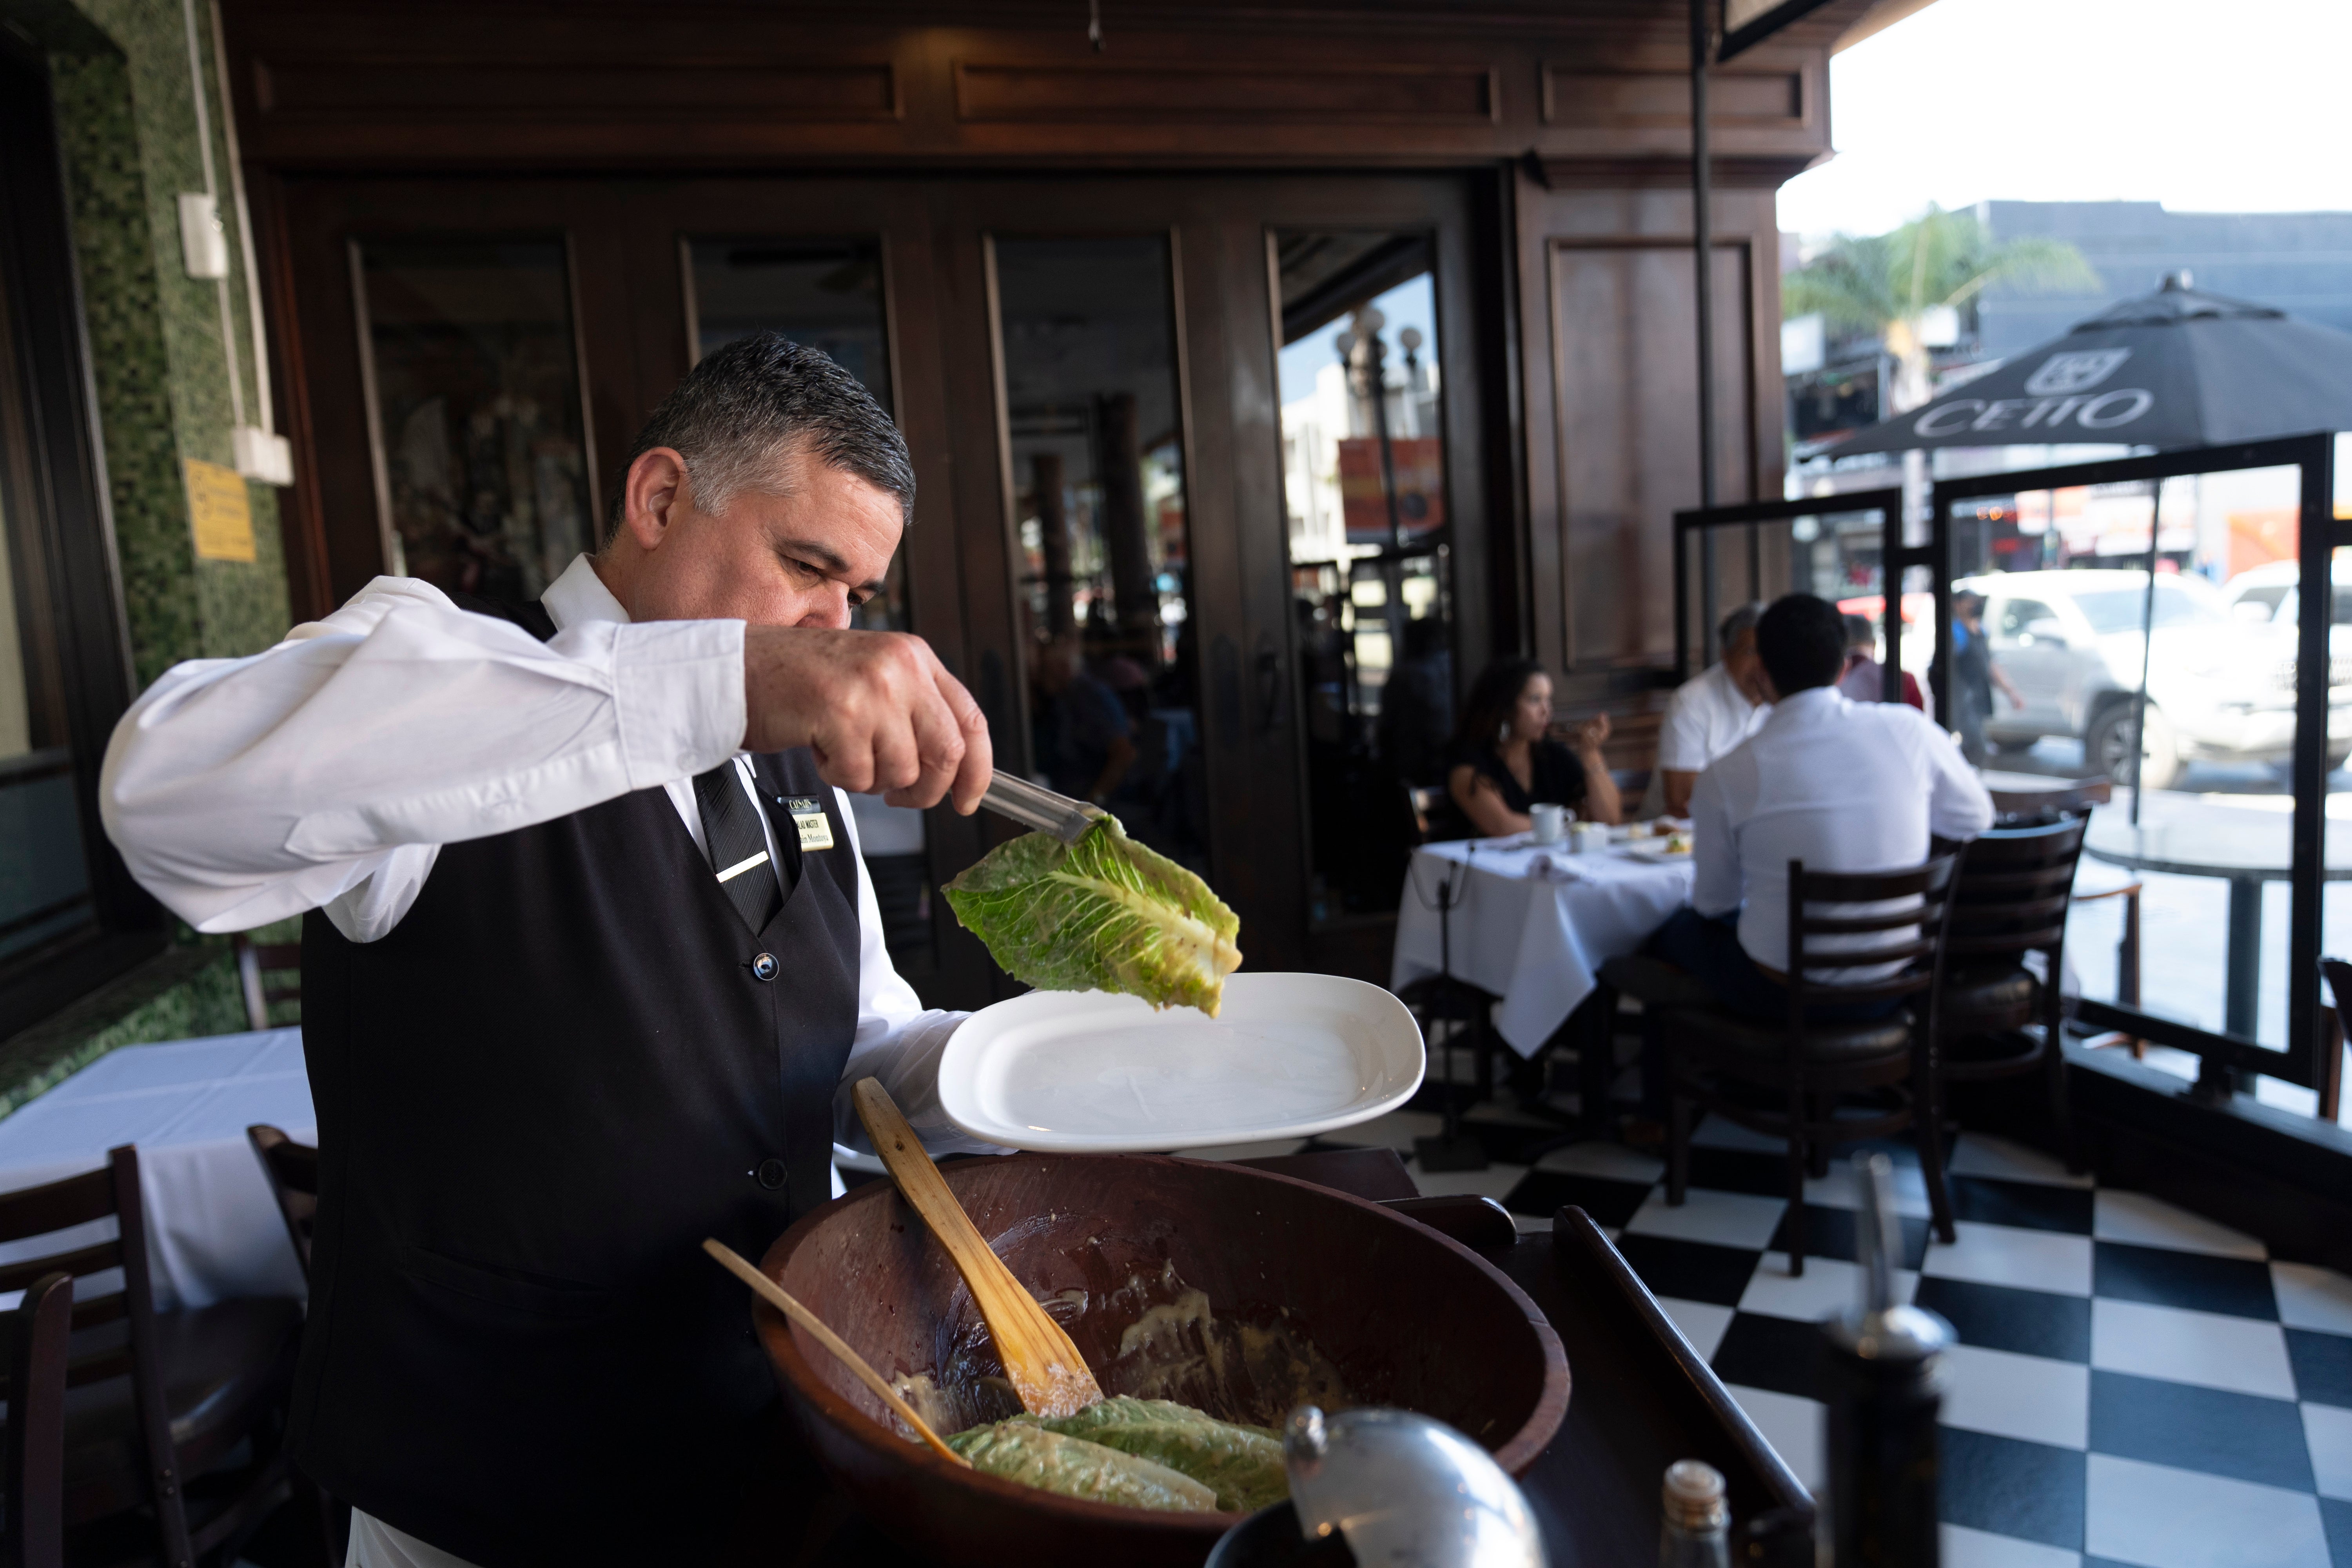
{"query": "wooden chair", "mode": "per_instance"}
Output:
(1444, 998)
(1811, 1062)
(36, 1530)
(2339, 975)
(293, 1172)
(261, 970)
(2016, 884)
(171, 1448)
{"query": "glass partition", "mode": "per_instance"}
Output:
(1363, 462)
(2135, 629)
(1095, 453)
(473, 387)
(1832, 546)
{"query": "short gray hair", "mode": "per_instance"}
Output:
(761, 399)
(1739, 623)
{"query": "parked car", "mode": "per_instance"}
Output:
(2265, 596)
(2219, 688)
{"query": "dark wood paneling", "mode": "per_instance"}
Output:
(1610, 379)
(1088, 92)
(438, 90)
(532, 84)
(1627, 384)
(1573, 95)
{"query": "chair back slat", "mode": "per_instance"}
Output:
(2016, 886)
(94, 1259)
(60, 1205)
(99, 1311)
(293, 1172)
(1923, 897)
(35, 1442)
(100, 1366)
(262, 971)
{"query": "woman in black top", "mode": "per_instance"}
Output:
(1504, 760)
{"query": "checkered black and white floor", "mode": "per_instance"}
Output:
(2132, 1384)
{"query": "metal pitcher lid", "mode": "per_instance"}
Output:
(1406, 1491)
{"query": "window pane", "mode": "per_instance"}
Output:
(1088, 338)
(1363, 460)
(476, 386)
(44, 879)
(2074, 660)
(823, 294)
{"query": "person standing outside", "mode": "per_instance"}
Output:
(1974, 675)
(589, 961)
(1709, 714)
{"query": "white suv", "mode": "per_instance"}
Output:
(2217, 687)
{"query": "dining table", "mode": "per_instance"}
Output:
(1532, 924)
(2185, 835)
(214, 1230)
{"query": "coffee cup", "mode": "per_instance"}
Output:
(1551, 823)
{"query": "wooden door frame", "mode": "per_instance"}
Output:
(622, 235)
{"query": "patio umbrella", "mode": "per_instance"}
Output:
(2175, 368)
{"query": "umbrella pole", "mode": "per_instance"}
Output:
(2146, 650)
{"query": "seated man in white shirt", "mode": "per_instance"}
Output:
(1709, 714)
(1839, 784)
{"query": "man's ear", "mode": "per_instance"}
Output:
(657, 486)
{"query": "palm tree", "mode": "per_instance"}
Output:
(1885, 283)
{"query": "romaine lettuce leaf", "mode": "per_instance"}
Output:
(1102, 914)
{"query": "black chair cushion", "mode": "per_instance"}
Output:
(224, 1367)
(1655, 983)
(1995, 990)
(1730, 1034)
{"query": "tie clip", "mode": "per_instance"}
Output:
(741, 867)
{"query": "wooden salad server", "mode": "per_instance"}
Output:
(782, 1301)
(1044, 1367)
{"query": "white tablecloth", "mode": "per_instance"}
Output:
(1531, 926)
(213, 1227)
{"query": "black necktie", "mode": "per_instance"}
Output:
(739, 850)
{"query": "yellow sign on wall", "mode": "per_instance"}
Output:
(221, 510)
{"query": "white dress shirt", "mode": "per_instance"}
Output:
(1841, 786)
(328, 771)
(1707, 715)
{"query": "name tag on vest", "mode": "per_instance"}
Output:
(808, 816)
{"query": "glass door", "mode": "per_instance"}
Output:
(1364, 491)
(1158, 425)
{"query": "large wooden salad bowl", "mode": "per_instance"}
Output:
(1305, 1286)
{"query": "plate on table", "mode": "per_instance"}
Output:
(1288, 1056)
(1655, 851)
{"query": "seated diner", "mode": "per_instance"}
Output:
(1838, 784)
(1506, 761)
(1707, 715)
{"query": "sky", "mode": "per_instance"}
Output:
(2203, 105)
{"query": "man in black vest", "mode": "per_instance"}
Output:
(588, 953)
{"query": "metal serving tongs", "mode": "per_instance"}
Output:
(1034, 805)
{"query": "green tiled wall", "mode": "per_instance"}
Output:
(127, 123)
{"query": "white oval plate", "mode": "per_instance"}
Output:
(1288, 1056)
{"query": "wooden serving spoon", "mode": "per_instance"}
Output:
(781, 1299)
(1044, 1367)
